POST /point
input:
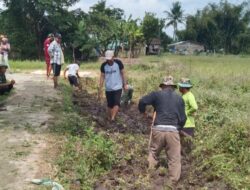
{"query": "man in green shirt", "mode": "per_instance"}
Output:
(191, 107)
(5, 86)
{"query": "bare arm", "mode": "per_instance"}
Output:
(101, 85)
(124, 82)
(64, 74)
(77, 74)
(101, 80)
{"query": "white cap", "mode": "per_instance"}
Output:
(109, 54)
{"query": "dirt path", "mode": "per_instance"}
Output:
(23, 140)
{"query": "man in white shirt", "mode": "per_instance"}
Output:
(55, 53)
(73, 74)
(113, 74)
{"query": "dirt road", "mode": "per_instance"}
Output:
(23, 137)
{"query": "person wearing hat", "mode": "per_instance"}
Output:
(46, 44)
(4, 51)
(5, 86)
(112, 72)
(56, 57)
(191, 106)
(170, 118)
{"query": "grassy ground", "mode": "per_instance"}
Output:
(84, 155)
(221, 86)
(20, 66)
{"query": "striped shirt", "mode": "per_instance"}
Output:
(55, 53)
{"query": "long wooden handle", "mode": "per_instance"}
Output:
(151, 129)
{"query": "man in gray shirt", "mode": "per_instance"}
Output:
(112, 72)
(170, 118)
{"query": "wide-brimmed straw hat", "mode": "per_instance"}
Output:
(185, 83)
(168, 81)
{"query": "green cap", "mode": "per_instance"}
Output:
(185, 83)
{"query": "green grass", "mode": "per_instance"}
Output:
(18, 66)
(222, 90)
(85, 155)
(3, 98)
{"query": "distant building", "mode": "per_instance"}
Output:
(154, 48)
(186, 48)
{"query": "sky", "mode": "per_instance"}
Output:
(138, 7)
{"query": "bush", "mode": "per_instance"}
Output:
(86, 158)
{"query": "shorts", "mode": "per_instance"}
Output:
(56, 69)
(113, 98)
(6, 89)
(73, 80)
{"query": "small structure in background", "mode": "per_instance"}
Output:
(186, 48)
(154, 48)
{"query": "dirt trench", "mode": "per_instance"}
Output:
(131, 132)
(24, 142)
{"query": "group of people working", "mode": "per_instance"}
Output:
(5, 85)
(173, 113)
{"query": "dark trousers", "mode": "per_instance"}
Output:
(5, 89)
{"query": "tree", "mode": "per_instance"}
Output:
(219, 26)
(132, 34)
(175, 16)
(103, 24)
(27, 23)
(151, 27)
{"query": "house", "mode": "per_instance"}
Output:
(186, 48)
(154, 48)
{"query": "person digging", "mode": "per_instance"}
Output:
(191, 108)
(112, 72)
(73, 75)
(170, 118)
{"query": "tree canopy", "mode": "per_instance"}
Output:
(27, 23)
(220, 26)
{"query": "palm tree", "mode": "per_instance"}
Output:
(175, 16)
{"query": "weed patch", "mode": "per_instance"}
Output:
(85, 154)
